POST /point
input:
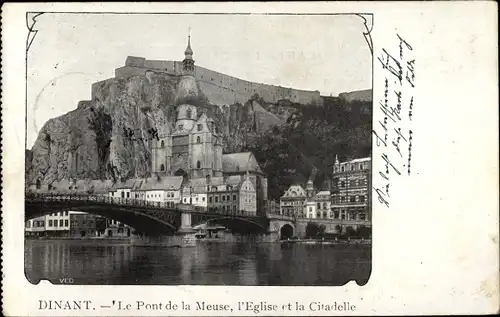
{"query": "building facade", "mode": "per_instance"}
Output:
(293, 202)
(68, 224)
(350, 189)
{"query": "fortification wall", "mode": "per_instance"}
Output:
(220, 88)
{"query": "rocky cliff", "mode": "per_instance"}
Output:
(110, 136)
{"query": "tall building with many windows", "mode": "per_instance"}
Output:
(350, 193)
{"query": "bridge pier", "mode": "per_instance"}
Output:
(186, 224)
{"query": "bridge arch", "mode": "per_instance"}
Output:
(141, 219)
(238, 224)
(286, 231)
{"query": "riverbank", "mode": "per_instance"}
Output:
(81, 238)
(179, 241)
(320, 241)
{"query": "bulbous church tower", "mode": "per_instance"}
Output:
(194, 149)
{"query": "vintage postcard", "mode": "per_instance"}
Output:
(249, 159)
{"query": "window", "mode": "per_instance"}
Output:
(202, 198)
(162, 143)
(180, 127)
(324, 214)
(128, 194)
(55, 223)
(223, 208)
(342, 199)
(361, 166)
(189, 113)
(28, 224)
(209, 199)
(66, 223)
(310, 209)
(331, 214)
(61, 223)
(198, 164)
(198, 139)
(362, 198)
(50, 223)
(223, 197)
(196, 198)
(317, 214)
(200, 127)
(319, 206)
(324, 205)
(162, 167)
(342, 184)
(234, 197)
(352, 167)
(216, 199)
(352, 199)
(342, 168)
(123, 194)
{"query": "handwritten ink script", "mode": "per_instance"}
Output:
(393, 117)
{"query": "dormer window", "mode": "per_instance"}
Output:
(189, 113)
(200, 127)
(180, 127)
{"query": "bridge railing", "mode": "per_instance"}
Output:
(102, 199)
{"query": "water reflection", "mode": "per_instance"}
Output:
(100, 262)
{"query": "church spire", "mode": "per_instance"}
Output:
(188, 62)
(189, 52)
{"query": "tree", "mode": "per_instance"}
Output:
(350, 231)
(321, 230)
(312, 229)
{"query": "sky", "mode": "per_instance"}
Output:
(72, 51)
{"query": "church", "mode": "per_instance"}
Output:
(194, 150)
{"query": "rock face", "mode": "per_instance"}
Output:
(110, 136)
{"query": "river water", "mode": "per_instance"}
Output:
(111, 262)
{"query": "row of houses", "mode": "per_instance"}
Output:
(348, 198)
(232, 193)
(235, 193)
(75, 224)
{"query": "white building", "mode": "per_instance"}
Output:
(57, 223)
(322, 203)
(311, 209)
(165, 189)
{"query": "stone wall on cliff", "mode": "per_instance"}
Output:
(222, 88)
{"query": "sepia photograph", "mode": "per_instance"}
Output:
(198, 149)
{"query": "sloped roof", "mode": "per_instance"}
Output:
(164, 183)
(294, 191)
(323, 193)
(240, 162)
(358, 160)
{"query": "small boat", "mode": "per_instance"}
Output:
(189, 241)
